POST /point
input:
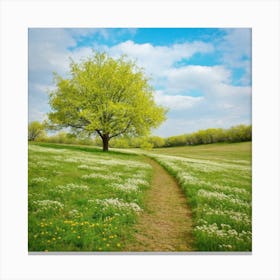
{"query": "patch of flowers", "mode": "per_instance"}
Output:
(74, 213)
(101, 176)
(71, 187)
(117, 204)
(87, 167)
(223, 235)
(39, 180)
(44, 205)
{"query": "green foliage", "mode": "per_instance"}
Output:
(35, 130)
(237, 133)
(110, 97)
(145, 145)
(63, 137)
(120, 142)
(156, 141)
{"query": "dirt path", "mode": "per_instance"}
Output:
(167, 224)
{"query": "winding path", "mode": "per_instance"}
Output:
(166, 225)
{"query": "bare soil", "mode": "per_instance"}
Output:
(166, 225)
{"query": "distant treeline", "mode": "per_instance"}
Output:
(237, 133)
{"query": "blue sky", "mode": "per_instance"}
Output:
(203, 75)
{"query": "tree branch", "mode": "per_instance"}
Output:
(121, 132)
(99, 133)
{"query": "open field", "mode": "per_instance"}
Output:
(81, 200)
(223, 152)
(217, 182)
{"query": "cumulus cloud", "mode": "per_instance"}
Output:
(196, 77)
(156, 59)
(176, 102)
(236, 49)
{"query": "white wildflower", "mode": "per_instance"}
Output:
(39, 180)
(71, 187)
(117, 203)
(43, 205)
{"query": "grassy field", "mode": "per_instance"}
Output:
(81, 199)
(217, 181)
(222, 152)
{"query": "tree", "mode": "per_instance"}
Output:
(110, 97)
(35, 130)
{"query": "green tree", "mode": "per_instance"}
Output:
(110, 97)
(35, 130)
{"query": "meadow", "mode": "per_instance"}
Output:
(216, 180)
(80, 199)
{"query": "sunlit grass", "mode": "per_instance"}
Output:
(81, 199)
(217, 182)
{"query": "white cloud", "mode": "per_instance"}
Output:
(237, 51)
(198, 77)
(48, 49)
(157, 59)
(237, 44)
(176, 102)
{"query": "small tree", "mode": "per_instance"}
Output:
(35, 130)
(110, 97)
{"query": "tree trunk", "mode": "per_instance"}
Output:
(105, 139)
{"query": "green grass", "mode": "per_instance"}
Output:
(224, 152)
(81, 199)
(217, 181)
